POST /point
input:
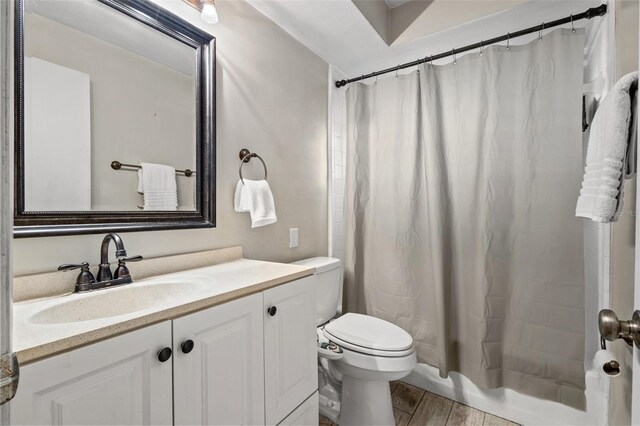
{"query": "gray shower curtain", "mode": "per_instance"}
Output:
(461, 188)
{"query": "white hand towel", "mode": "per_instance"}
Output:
(255, 197)
(158, 184)
(610, 152)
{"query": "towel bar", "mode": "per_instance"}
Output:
(245, 157)
(116, 165)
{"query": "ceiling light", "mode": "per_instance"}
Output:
(209, 13)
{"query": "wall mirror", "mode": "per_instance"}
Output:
(103, 87)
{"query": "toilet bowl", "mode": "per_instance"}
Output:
(358, 355)
(375, 352)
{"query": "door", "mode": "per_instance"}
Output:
(290, 356)
(623, 293)
(119, 381)
(635, 391)
(9, 370)
(218, 365)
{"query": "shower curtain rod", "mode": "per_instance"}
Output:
(588, 14)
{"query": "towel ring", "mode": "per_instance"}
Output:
(245, 156)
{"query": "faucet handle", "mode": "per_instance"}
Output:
(122, 270)
(69, 266)
(85, 277)
(131, 259)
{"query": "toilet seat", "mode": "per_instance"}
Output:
(374, 367)
(368, 351)
(369, 335)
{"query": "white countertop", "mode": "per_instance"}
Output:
(36, 337)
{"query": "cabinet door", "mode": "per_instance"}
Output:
(221, 380)
(308, 413)
(119, 381)
(291, 374)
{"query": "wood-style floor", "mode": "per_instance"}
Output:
(413, 406)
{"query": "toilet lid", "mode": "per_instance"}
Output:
(368, 334)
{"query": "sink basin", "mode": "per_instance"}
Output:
(112, 302)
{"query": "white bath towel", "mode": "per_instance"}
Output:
(610, 154)
(255, 197)
(157, 183)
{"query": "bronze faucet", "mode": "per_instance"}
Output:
(86, 281)
(104, 273)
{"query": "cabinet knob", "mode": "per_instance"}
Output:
(187, 346)
(164, 354)
(272, 311)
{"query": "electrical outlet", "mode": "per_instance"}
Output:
(293, 238)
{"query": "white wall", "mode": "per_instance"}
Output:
(272, 99)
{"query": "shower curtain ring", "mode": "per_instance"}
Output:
(481, 47)
(573, 29)
(375, 83)
(431, 61)
(540, 32)
(453, 52)
(508, 40)
(397, 69)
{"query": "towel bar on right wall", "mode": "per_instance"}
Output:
(245, 156)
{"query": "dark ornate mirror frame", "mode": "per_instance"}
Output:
(46, 223)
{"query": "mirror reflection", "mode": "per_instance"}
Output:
(101, 87)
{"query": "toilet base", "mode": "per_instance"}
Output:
(329, 394)
(365, 403)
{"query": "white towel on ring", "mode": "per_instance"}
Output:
(255, 197)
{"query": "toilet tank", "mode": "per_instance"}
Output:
(328, 278)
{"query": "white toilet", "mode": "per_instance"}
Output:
(358, 355)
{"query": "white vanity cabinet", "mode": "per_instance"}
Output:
(290, 342)
(307, 413)
(249, 361)
(220, 378)
(252, 361)
(119, 381)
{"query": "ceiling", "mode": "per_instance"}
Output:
(419, 18)
(395, 3)
(400, 21)
(339, 32)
